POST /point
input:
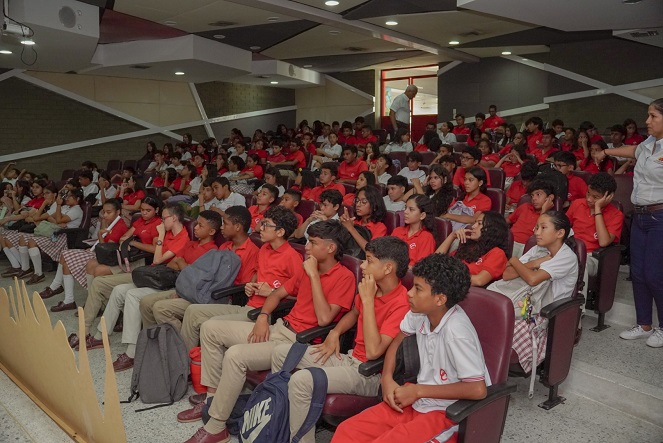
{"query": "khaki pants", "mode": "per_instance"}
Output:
(146, 306)
(98, 294)
(224, 346)
(196, 315)
(343, 377)
(126, 297)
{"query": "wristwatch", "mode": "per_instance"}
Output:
(159, 243)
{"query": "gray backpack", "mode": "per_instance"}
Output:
(161, 367)
(212, 271)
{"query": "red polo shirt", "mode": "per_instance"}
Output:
(390, 309)
(175, 243)
(511, 169)
(533, 140)
(494, 261)
(540, 155)
(248, 256)
(132, 198)
(458, 130)
(256, 215)
(577, 188)
(315, 192)
(178, 182)
(378, 229)
(363, 141)
(289, 267)
(421, 244)
(352, 140)
(338, 286)
(117, 232)
(459, 177)
(193, 250)
(146, 231)
(584, 225)
(36, 202)
(523, 220)
(515, 191)
(635, 139)
(491, 158)
(492, 122)
(592, 167)
(480, 202)
(299, 156)
(256, 169)
(352, 171)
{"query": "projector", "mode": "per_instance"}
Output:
(14, 29)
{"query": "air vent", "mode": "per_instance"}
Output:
(355, 49)
(140, 67)
(471, 34)
(222, 24)
(643, 34)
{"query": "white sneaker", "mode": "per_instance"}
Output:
(656, 339)
(636, 332)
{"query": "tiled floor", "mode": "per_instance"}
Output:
(579, 420)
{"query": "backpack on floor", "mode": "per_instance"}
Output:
(266, 417)
(161, 367)
(212, 271)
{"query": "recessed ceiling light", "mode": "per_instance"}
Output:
(398, 66)
(272, 19)
(179, 73)
(219, 36)
(454, 42)
(331, 3)
(254, 48)
(334, 32)
(308, 66)
(391, 23)
(400, 49)
(169, 23)
(274, 82)
(5, 51)
(506, 52)
(28, 42)
(524, 59)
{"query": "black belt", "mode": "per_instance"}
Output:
(647, 208)
(286, 323)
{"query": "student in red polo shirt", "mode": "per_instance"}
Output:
(419, 231)
(594, 220)
(346, 135)
(328, 176)
(593, 164)
(518, 188)
(512, 163)
(380, 305)
(366, 136)
(470, 158)
(369, 212)
(481, 247)
(493, 120)
(366, 178)
(351, 166)
(460, 127)
(524, 218)
(488, 158)
(542, 151)
(264, 200)
(290, 200)
(632, 135)
(565, 162)
(534, 126)
(325, 291)
(294, 158)
(591, 131)
(475, 197)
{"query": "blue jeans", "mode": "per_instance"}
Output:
(647, 265)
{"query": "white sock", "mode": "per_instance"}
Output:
(57, 281)
(13, 259)
(25, 257)
(68, 281)
(35, 256)
(131, 351)
(89, 279)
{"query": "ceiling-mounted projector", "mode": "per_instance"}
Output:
(14, 29)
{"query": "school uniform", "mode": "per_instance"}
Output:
(457, 130)
(383, 178)
(447, 139)
(397, 147)
(459, 177)
(562, 268)
(352, 170)
(493, 261)
(299, 156)
(420, 244)
(234, 199)
(592, 167)
(511, 169)
(492, 122)
(523, 220)
(533, 140)
(480, 202)
(378, 229)
(409, 174)
(315, 192)
(577, 188)
(540, 155)
(393, 206)
(491, 158)
(515, 191)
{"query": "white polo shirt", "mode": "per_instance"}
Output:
(336, 150)
(562, 268)
(449, 354)
(384, 178)
(234, 199)
(393, 206)
(417, 173)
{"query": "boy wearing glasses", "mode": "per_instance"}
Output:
(470, 159)
(565, 162)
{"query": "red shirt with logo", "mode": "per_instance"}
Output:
(116, 233)
(315, 192)
(515, 191)
(193, 250)
(420, 244)
(491, 158)
(493, 261)
(248, 256)
(511, 169)
(175, 243)
(299, 156)
(584, 223)
(480, 202)
(378, 229)
(351, 171)
(256, 169)
(492, 122)
(533, 140)
(289, 267)
(523, 220)
(256, 215)
(132, 198)
(146, 231)
(577, 188)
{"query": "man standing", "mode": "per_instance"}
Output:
(399, 112)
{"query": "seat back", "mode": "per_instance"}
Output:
(401, 157)
(255, 238)
(86, 221)
(349, 188)
(497, 198)
(461, 138)
(113, 165)
(497, 177)
(509, 244)
(354, 265)
(583, 175)
(624, 190)
(305, 208)
(300, 248)
(444, 228)
(189, 224)
(391, 220)
(428, 157)
(458, 146)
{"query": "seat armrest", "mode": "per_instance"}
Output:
(74, 236)
(554, 308)
(311, 334)
(228, 292)
(282, 309)
(461, 409)
(371, 367)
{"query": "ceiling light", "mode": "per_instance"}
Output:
(179, 73)
(27, 42)
(391, 23)
(400, 49)
(308, 66)
(254, 48)
(331, 3)
(272, 19)
(506, 52)
(631, 2)
(274, 82)
(334, 32)
(454, 42)
(5, 51)
(219, 36)
(169, 23)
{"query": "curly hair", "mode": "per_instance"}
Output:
(446, 275)
(426, 206)
(494, 233)
(390, 248)
(602, 182)
(445, 195)
(283, 218)
(374, 197)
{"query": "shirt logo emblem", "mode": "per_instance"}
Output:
(443, 375)
(413, 245)
(480, 260)
(276, 284)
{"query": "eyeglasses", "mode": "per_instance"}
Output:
(264, 225)
(362, 201)
(467, 157)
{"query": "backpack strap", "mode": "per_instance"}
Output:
(318, 398)
(295, 355)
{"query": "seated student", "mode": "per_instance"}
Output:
(524, 218)
(470, 159)
(460, 127)
(235, 166)
(380, 168)
(412, 170)
(172, 237)
(369, 212)
(26, 198)
(446, 339)
(290, 200)
(380, 306)
(593, 164)
(277, 156)
(238, 149)
(545, 148)
(534, 127)
(271, 177)
(329, 151)
(158, 164)
(438, 188)
(305, 181)
(396, 187)
(328, 176)
(11, 175)
(633, 137)
(481, 247)
(264, 201)
(474, 137)
(488, 158)
(364, 179)
(258, 149)
(176, 161)
(370, 154)
(419, 231)
(206, 199)
(446, 133)
(565, 162)
(351, 166)
(132, 194)
(198, 161)
(518, 188)
(126, 297)
(182, 185)
(252, 170)
(325, 291)
(366, 136)
(475, 197)
(400, 143)
(80, 265)
(346, 136)
(224, 196)
(448, 162)
(424, 143)
(307, 143)
(88, 186)
(595, 221)
(106, 189)
(295, 159)
(512, 163)
(330, 201)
